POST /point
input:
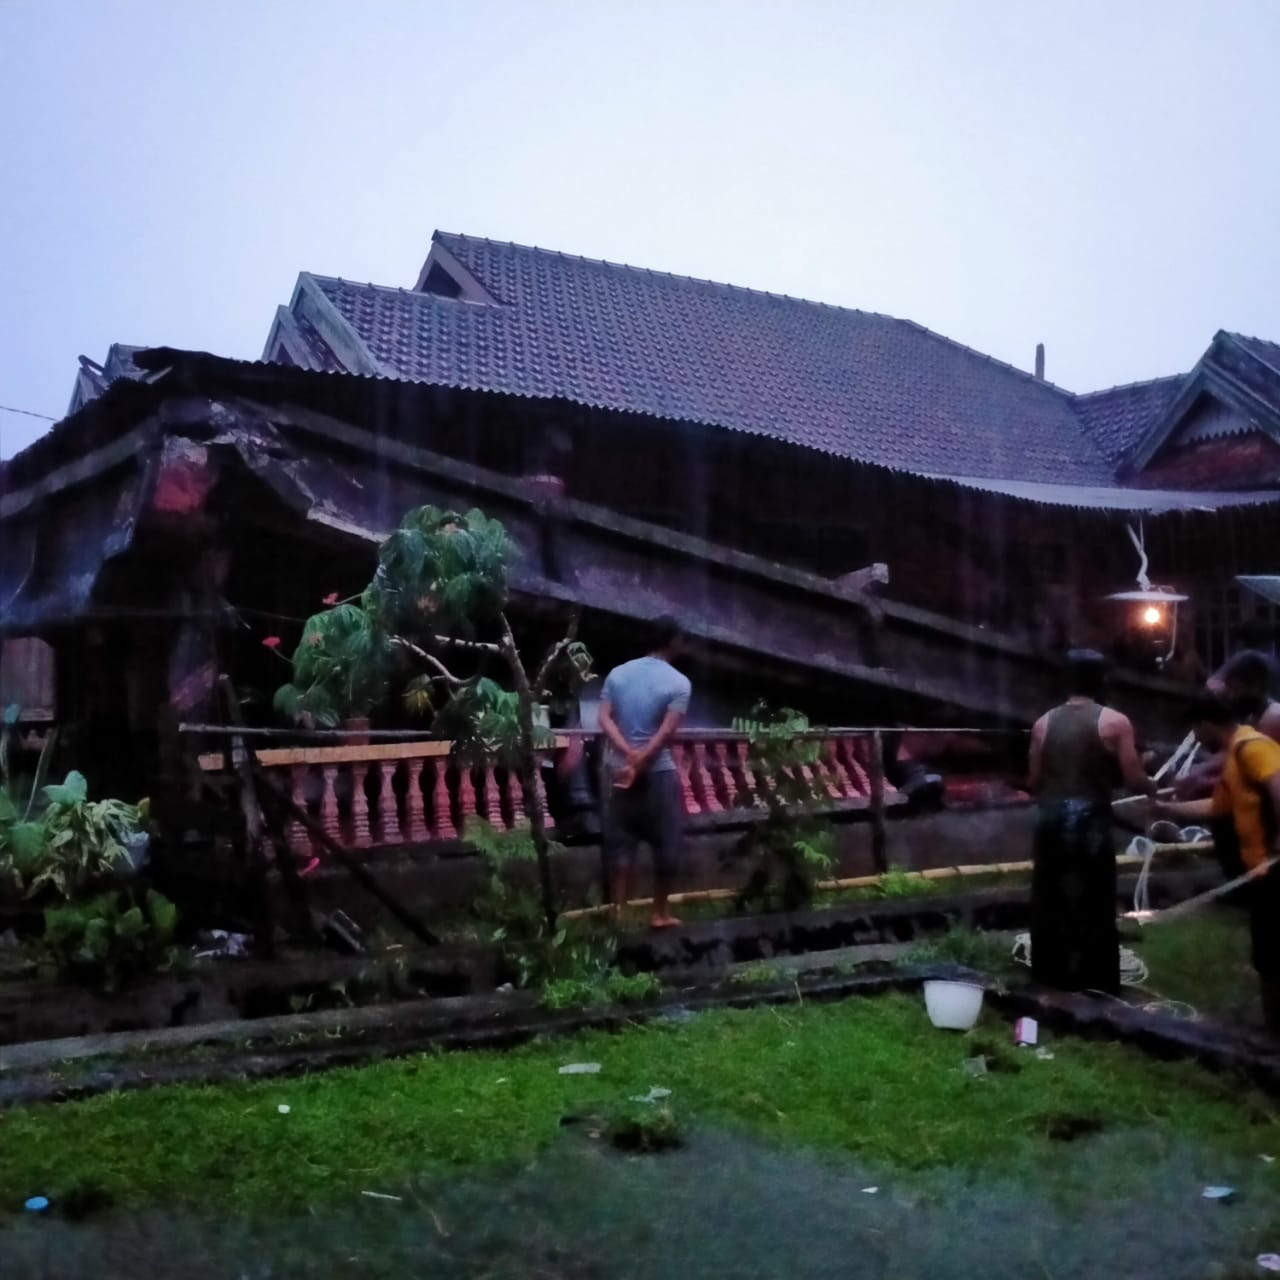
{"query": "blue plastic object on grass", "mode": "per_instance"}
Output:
(37, 1204)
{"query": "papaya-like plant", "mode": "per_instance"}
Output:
(433, 624)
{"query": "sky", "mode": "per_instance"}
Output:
(1101, 176)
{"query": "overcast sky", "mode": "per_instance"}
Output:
(1100, 176)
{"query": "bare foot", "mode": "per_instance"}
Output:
(664, 922)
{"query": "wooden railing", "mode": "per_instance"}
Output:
(394, 793)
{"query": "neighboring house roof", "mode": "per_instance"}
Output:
(92, 378)
(504, 317)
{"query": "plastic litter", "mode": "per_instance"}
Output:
(1045, 1055)
(382, 1195)
(1267, 1159)
(220, 943)
(283, 1108)
(1221, 1194)
(505, 990)
(37, 1204)
(869, 1191)
(1026, 1031)
(1269, 1261)
(581, 1069)
(974, 1066)
(656, 1094)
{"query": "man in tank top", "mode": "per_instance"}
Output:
(1079, 750)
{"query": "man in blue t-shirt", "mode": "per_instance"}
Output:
(641, 707)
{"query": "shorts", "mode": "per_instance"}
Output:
(1264, 925)
(651, 811)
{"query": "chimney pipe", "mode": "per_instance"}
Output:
(1040, 361)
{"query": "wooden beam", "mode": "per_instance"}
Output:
(353, 864)
(84, 468)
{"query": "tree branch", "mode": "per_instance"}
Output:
(474, 646)
(555, 653)
(429, 658)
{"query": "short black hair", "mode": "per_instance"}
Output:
(1086, 673)
(663, 633)
(1214, 709)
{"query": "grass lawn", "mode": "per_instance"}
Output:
(867, 1076)
(1203, 960)
(1062, 1168)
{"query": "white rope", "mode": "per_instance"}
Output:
(1133, 972)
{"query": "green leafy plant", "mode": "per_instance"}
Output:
(341, 668)
(74, 844)
(77, 842)
(613, 988)
(510, 910)
(897, 884)
(111, 938)
(792, 847)
(964, 946)
(432, 624)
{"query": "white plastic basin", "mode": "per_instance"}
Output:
(954, 1006)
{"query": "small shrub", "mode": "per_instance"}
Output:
(898, 884)
(645, 1129)
(963, 946)
(112, 938)
(791, 848)
(612, 988)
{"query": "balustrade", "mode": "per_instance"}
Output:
(387, 794)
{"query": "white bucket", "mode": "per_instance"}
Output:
(953, 1006)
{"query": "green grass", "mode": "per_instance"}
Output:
(1204, 961)
(867, 1076)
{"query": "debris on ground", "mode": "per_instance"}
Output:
(382, 1195)
(656, 1094)
(283, 1108)
(1221, 1194)
(974, 1066)
(1026, 1031)
(1269, 1261)
(1267, 1159)
(37, 1204)
(1045, 1055)
(220, 944)
(580, 1069)
(341, 932)
(869, 1191)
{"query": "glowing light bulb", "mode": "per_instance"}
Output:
(1152, 616)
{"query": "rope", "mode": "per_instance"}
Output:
(1133, 972)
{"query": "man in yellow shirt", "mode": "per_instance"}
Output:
(1248, 793)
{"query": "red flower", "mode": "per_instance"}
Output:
(331, 598)
(272, 642)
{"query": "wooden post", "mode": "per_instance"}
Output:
(879, 835)
(237, 762)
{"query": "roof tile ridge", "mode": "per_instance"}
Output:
(680, 278)
(1239, 339)
(995, 360)
(1130, 386)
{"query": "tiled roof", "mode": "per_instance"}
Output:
(850, 383)
(1267, 352)
(1117, 419)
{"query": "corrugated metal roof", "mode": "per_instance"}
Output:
(1265, 585)
(1146, 501)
